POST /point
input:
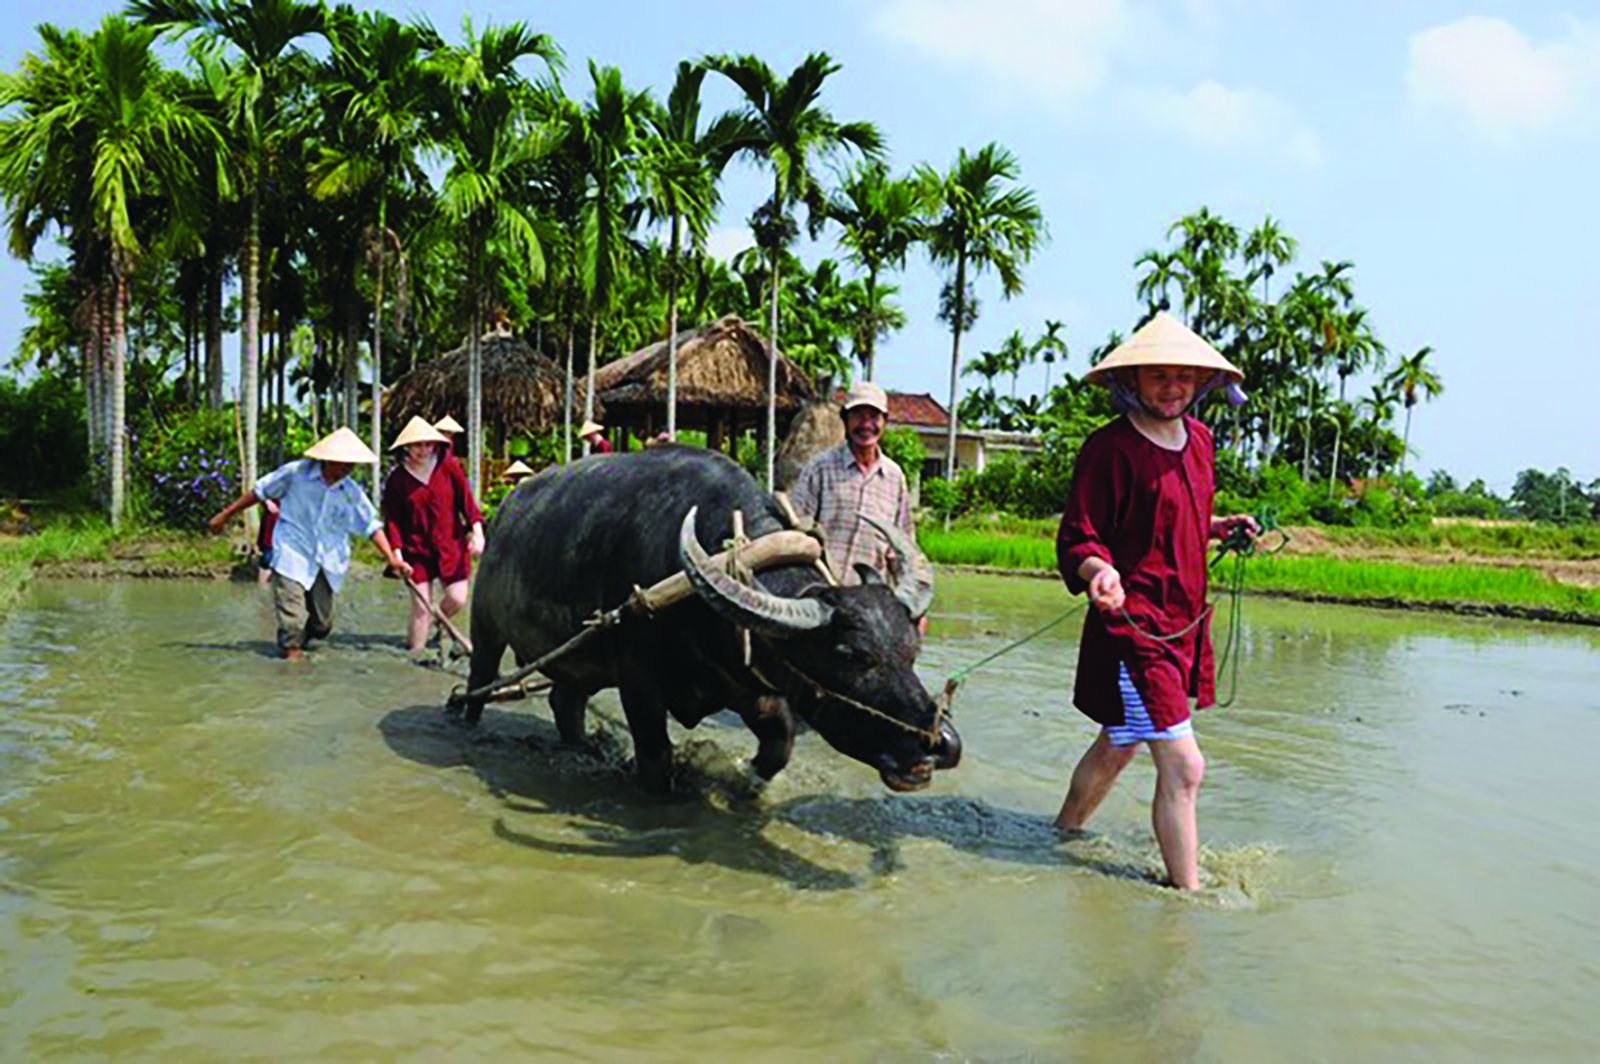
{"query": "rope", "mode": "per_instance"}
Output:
(1239, 543)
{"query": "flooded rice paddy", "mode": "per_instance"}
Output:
(206, 854)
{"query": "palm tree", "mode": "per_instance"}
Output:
(788, 129)
(1415, 380)
(1162, 274)
(378, 90)
(980, 220)
(1380, 401)
(263, 32)
(1266, 248)
(880, 219)
(681, 168)
(492, 142)
(1049, 348)
(608, 132)
(140, 141)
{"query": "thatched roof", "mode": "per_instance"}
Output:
(723, 364)
(522, 390)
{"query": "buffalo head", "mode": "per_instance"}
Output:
(844, 657)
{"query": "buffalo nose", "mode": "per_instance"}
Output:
(948, 754)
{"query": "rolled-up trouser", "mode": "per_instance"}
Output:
(302, 615)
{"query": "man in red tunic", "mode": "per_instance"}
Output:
(434, 522)
(1134, 533)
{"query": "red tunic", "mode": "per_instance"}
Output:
(1147, 511)
(429, 523)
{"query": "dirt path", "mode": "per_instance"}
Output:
(1584, 572)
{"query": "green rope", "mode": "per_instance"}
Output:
(1239, 543)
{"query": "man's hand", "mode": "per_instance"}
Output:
(218, 522)
(1105, 590)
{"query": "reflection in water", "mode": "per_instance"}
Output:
(206, 853)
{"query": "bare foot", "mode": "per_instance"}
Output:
(292, 654)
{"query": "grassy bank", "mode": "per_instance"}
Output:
(92, 544)
(1453, 586)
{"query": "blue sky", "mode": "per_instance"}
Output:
(1450, 150)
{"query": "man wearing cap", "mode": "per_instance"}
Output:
(593, 433)
(319, 509)
(1134, 533)
(839, 485)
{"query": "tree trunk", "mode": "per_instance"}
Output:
(872, 325)
(1405, 449)
(475, 390)
(672, 332)
(285, 345)
(588, 382)
(377, 357)
(250, 348)
(772, 379)
(566, 404)
(119, 361)
(91, 381)
(352, 358)
(108, 317)
(213, 317)
(955, 362)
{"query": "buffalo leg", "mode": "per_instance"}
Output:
(488, 647)
(768, 717)
(652, 750)
(570, 707)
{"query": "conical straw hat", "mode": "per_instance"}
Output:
(418, 431)
(517, 469)
(1163, 341)
(341, 445)
(590, 426)
(448, 424)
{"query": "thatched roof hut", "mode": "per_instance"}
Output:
(722, 384)
(522, 390)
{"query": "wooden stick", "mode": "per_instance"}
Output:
(444, 622)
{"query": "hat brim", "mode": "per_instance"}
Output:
(342, 446)
(1164, 341)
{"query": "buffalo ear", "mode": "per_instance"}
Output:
(869, 575)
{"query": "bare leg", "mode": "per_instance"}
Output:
(1179, 769)
(454, 597)
(420, 619)
(1097, 770)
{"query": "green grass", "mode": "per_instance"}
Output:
(1304, 575)
(1527, 539)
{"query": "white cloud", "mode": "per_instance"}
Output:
(1214, 116)
(1503, 84)
(1058, 49)
(724, 242)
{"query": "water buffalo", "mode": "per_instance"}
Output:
(579, 539)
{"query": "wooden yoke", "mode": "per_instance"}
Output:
(771, 550)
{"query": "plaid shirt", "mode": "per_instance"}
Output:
(835, 491)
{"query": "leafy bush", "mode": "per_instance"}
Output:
(42, 435)
(189, 472)
(905, 447)
(941, 498)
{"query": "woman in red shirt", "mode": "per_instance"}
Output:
(1134, 533)
(433, 521)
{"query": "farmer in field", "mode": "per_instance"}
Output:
(433, 522)
(1134, 533)
(319, 509)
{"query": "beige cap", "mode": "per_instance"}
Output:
(448, 424)
(517, 469)
(590, 426)
(418, 431)
(1163, 341)
(865, 393)
(341, 445)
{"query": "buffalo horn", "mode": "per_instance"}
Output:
(913, 585)
(746, 606)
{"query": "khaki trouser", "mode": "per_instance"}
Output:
(302, 615)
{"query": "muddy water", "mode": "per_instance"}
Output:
(206, 854)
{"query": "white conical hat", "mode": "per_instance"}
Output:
(448, 424)
(590, 426)
(418, 431)
(519, 468)
(1163, 341)
(341, 445)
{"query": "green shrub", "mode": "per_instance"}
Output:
(940, 498)
(189, 472)
(42, 435)
(905, 447)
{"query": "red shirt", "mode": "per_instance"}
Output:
(429, 523)
(1147, 511)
